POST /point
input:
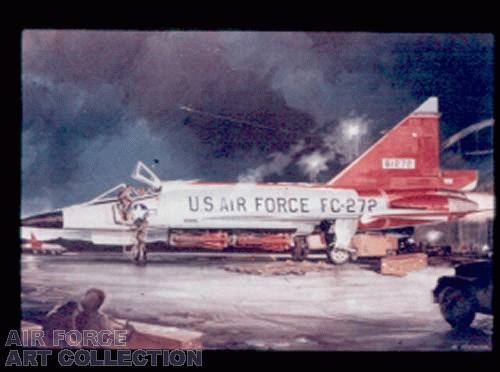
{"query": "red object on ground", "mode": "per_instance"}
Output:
(273, 242)
(216, 240)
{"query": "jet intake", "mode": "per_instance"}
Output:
(48, 220)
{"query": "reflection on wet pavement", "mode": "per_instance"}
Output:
(346, 308)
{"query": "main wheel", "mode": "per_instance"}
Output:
(337, 256)
(456, 308)
(300, 249)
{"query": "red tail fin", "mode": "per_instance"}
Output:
(407, 156)
(35, 243)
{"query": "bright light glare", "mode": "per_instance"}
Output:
(353, 130)
(433, 236)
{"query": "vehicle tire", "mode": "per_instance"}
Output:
(456, 307)
(337, 256)
(300, 249)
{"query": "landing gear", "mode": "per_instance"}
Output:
(337, 256)
(334, 255)
(300, 249)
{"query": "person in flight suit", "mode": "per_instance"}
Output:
(125, 200)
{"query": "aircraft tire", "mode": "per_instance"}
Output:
(337, 256)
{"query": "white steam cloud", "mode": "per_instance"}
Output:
(278, 161)
(313, 164)
(347, 139)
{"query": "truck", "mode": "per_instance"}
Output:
(468, 292)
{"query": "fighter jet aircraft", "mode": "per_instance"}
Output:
(397, 182)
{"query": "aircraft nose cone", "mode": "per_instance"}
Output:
(48, 220)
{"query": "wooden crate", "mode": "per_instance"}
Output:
(402, 264)
(374, 245)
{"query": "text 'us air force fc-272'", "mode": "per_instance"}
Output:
(396, 183)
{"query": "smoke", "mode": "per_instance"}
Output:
(329, 144)
(84, 93)
(313, 164)
(276, 164)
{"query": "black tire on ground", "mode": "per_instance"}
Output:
(337, 256)
(456, 307)
(300, 249)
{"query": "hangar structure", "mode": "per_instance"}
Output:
(472, 147)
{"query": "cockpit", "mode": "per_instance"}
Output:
(122, 199)
(142, 174)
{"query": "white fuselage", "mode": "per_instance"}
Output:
(192, 205)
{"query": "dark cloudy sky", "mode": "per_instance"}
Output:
(96, 102)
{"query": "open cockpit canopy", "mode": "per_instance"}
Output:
(142, 174)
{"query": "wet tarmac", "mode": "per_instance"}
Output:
(349, 307)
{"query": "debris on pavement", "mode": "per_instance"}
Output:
(402, 264)
(287, 267)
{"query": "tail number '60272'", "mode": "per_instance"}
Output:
(349, 205)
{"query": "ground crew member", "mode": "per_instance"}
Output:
(61, 318)
(90, 318)
(125, 200)
(140, 236)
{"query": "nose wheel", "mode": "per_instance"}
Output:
(334, 255)
(337, 256)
